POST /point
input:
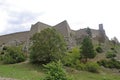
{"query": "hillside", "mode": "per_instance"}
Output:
(27, 71)
(85, 54)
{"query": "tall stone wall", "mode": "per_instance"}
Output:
(14, 37)
(72, 37)
(65, 30)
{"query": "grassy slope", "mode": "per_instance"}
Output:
(21, 71)
(26, 71)
(93, 76)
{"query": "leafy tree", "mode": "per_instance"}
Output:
(48, 45)
(87, 50)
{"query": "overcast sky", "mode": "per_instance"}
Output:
(18, 15)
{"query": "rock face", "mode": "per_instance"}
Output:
(71, 37)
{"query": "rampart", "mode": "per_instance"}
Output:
(72, 37)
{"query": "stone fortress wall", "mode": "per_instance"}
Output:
(14, 37)
(71, 36)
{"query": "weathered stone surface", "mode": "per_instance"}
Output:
(72, 37)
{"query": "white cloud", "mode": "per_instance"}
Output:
(78, 13)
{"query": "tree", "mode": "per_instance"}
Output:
(87, 50)
(48, 45)
(88, 30)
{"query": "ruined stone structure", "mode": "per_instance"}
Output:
(72, 37)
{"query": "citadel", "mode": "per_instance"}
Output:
(72, 37)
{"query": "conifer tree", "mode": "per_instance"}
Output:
(87, 50)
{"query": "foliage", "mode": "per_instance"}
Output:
(87, 50)
(89, 66)
(13, 55)
(99, 49)
(48, 45)
(110, 54)
(112, 63)
(88, 30)
(92, 67)
(55, 71)
(113, 50)
(71, 57)
(27, 71)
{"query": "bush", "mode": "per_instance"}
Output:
(80, 66)
(110, 55)
(112, 63)
(55, 71)
(92, 67)
(13, 55)
(99, 49)
(72, 57)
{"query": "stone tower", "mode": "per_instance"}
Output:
(101, 27)
(102, 35)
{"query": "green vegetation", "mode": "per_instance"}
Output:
(27, 71)
(87, 49)
(53, 61)
(88, 30)
(112, 63)
(21, 71)
(99, 49)
(48, 45)
(55, 71)
(89, 66)
(72, 57)
(11, 55)
(110, 55)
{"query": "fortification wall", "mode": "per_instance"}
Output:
(63, 28)
(19, 36)
(38, 27)
(72, 37)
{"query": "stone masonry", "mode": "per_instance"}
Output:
(72, 37)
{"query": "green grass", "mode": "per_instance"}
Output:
(27, 71)
(93, 76)
(24, 71)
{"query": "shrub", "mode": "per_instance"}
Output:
(110, 55)
(72, 57)
(92, 67)
(99, 49)
(55, 71)
(13, 55)
(112, 63)
(89, 66)
(102, 63)
(5, 48)
(80, 66)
